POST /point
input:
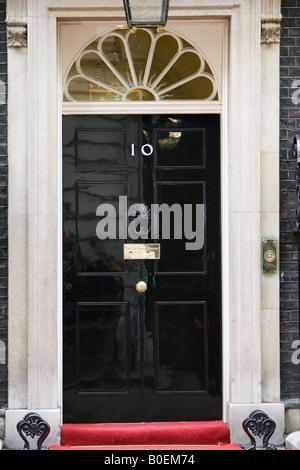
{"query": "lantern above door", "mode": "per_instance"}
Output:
(146, 13)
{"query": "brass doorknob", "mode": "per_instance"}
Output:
(141, 286)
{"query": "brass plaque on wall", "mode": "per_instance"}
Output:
(269, 252)
(142, 251)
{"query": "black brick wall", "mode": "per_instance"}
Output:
(3, 200)
(289, 126)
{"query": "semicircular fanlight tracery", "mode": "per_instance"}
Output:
(140, 66)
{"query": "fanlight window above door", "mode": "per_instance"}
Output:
(140, 66)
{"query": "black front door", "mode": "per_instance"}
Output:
(141, 203)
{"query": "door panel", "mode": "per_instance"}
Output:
(93, 255)
(179, 193)
(98, 354)
(180, 330)
(132, 356)
(100, 148)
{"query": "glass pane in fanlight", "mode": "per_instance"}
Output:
(80, 90)
(140, 44)
(93, 66)
(114, 50)
(165, 50)
(200, 88)
(139, 94)
(147, 10)
(186, 66)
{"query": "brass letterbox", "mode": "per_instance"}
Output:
(142, 251)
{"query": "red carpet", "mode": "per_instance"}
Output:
(212, 435)
(150, 448)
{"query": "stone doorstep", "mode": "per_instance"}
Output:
(2, 428)
(293, 441)
(2, 425)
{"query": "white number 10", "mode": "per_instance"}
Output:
(147, 150)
